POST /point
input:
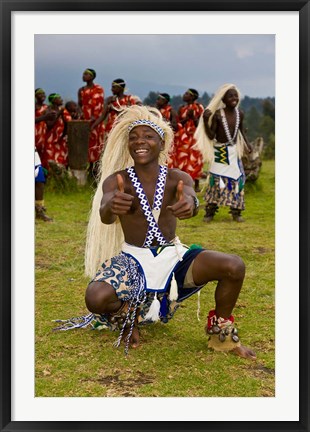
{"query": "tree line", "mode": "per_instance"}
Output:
(259, 116)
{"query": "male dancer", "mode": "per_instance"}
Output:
(221, 139)
(145, 272)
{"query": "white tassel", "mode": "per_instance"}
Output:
(153, 313)
(173, 295)
(198, 306)
(222, 184)
(237, 187)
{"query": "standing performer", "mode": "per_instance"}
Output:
(40, 124)
(55, 149)
(221, 139)
(145, 272)
(188, 158)
(41, 116)
(39, 185)
(115, 104)
(169, 114)
(91, 101)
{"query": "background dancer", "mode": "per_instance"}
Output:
(221, 139)
(115, 104)
(91, 101)
(188, 158)
(169, 114)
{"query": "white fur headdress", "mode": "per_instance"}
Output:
(203, 143)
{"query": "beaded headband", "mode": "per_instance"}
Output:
(53, 96)
(39, 91)
(149, 123)
(89, 72)
(119, 84)
(193, 93)
(167, 97)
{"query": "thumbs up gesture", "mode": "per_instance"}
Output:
(121, 202)
(184, 207)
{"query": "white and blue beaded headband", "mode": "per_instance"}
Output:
(149, 123)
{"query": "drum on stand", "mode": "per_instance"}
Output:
(78, 138)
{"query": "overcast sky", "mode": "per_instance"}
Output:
(166, 63)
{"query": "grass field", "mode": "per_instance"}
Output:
(173, 359)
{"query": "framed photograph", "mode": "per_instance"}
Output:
(23, 24)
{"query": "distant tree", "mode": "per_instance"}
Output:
(268, 108)
(252, 121)
(204, 99)
(176, 102)
(269, 149)
(247, 103)
(151, 98)
(267, 127)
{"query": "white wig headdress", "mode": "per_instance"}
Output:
(104, 241)
(203, 143)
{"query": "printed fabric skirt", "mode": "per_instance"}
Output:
(225, 191)
(125, 273)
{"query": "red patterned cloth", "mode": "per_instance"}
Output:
(92, 99)
(118, 104)
(40, 130)
(185, 157)
(166, 112)
(55, 148)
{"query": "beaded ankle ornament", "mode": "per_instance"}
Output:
(223, 336)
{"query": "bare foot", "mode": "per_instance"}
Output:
(134, 338)
(244, 352)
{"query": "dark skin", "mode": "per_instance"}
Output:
(189, 99)
(162, 103)
(40, 98)
(48, 116)
(55, 110)
(118, 92)
(39, 191)
(217, 130)
(88, 78)
(119, 200)
(74, 110)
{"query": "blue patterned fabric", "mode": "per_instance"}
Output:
(149, 123)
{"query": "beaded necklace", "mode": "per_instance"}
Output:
(230, 139)
(151, 214)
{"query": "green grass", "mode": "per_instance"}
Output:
(173, 359)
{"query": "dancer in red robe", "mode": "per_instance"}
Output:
(115, 104)
(169, 114)
(187, 158)
(91, 101)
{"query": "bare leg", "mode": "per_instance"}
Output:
(39, 191)
(39, 202)
(100, 297)
(229, 271)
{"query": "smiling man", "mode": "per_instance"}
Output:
(221, 138)
(142, 270)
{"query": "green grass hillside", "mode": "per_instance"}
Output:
(173, 359)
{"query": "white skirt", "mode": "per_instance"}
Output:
(157, 269)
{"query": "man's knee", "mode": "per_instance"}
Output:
(235, 267)
(97, 295)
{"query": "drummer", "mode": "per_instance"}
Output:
(74, 110)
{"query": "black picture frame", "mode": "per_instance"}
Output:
(7, 7)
